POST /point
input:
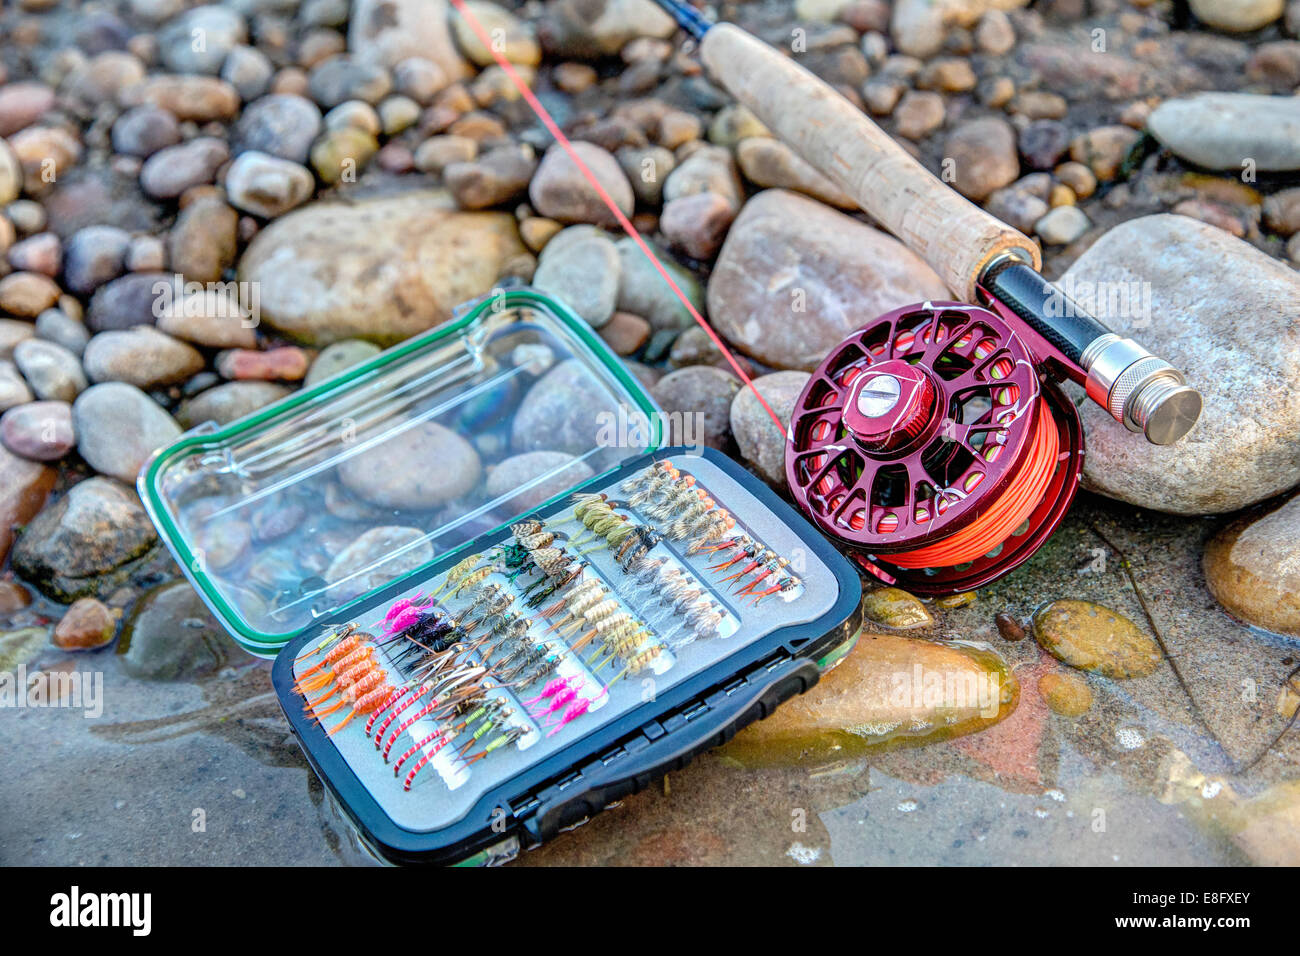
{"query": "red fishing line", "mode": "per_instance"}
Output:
(623, 221)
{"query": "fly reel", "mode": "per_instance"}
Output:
(930, 441)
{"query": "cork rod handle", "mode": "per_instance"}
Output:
(952, 234)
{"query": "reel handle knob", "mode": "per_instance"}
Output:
(1142, 392)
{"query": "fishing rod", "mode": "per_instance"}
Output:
(978, 256)
(934, 441)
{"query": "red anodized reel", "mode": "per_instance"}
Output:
(912, 428)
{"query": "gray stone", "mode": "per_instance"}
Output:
(378, 269)
(351, 570)
(339, 357)
(396, 473)
(1225, 130)
(1225, 314)
(761, 442)
(341, 78)
(39, 431)
(698, 402)
(133, 299)
(561, 191)
(14, 390)
(55, 325)
(561, 471)
(281, 124)
(225, 403)
(561, 412)
(93, 256)
(169, 172)
(52, 371)
(199, 40)
(266, 185)
(249, 71)
(795, 277)
(385, 32)
(642, 290)
(72, 547)
(170, 635)
(141, 356)
(118, 427)
(584, 274)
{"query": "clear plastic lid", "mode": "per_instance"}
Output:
(323, 498)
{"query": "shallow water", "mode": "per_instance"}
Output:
(208, 772)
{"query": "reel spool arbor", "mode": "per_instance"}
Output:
(930, 442)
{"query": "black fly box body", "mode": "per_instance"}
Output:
(496, 604)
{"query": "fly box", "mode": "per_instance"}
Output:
(495, 602)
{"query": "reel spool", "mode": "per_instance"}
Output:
(930, 443)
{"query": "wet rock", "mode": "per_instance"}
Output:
(212, 318)
(142, 356)
(1237, 16)
(1066, 694)
(983, 152)
(561, 472)
(339, 357)
(395, 473)
(795, 277)
(219, 28)
(561, 412)
(93, 256)
(170, 635)
(1223, 130)
(225, 403)
(560, 190)
(70, 549)
(203, 242)
(341, 78)
(496, 177)
(698, 402)
(888, 687)
(24, 486)
(583, 273)
(169, 172)
(388, 31)
(1008, 627)
(27, 294)
(642, 290)
(1217, 309)
(21, 647)
(40, 431)
(379, 269)
(53, 372)
(266, 185)
(86, 625)
(282, 125)
(1252, 570)
(351, 569)
(129, 301)
(896, 608)
(1095, 638)
(761, 443)
(198, 98)
(118, 427)
(13, 597)
(769, 163)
